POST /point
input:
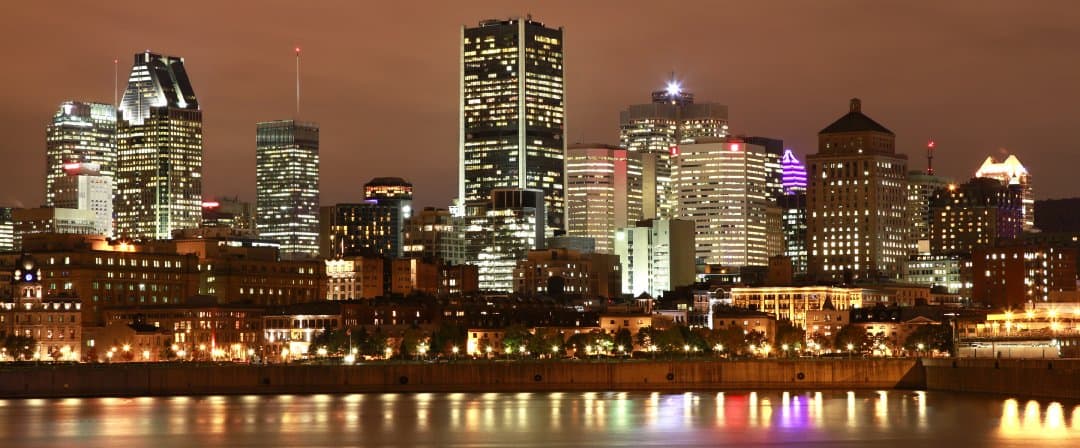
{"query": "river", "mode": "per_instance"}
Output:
(604, 419)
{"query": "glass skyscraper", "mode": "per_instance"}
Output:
(512, 112)
(80, 132)
(603, 192)
(287, 186)
(374, 227)
(658, 128)
(159, 151)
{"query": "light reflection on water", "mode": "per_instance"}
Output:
(887, 418)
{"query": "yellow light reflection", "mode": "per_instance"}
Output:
(720, 409)
(851, 409)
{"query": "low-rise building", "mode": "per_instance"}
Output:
(556, 272)
(354, 278)
(747, 320)
(793, 302)
(54, 323)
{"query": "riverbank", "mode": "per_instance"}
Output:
(156, 379)
(1059, 379)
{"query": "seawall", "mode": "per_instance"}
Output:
(1047, 378)
(199, 379)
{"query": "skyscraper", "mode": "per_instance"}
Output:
(793, 208)
(976, 214)
(374, 227)
(84, 187)
(1011, 171)
(512, 112)
(287, 186)
(922, 186)
(657, 255)
(722, 186)
(603, 192)
(80, 132)
(794, 173)
(857, 223)
(159, 151)
(501, 233)
(657, 128)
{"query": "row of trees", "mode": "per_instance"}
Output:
(19, 347)
(929, 337)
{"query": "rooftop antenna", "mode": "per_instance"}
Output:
(116, 82)
(297, 82)
(930, 156)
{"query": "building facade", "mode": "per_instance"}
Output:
(436, 234)
(354, 278)
(503, 232)
(287, 186)
(159, 151)
(922, 187)
(80, 133)
(84, 187)
(1011, 276)
(656, 255)
(557, 272)
(53, 321)
(512, 132)
(657, 129)
(857, 224)
(722, 186)
(603, 192)
(793, 302)
(29, 221)
(975, 214)
(1011, 172)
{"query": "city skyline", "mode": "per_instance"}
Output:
(961, 104)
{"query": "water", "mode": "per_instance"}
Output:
(827, 418)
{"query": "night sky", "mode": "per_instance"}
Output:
(980, 77)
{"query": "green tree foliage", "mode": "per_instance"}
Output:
(788, 333)
(822, 340)
(20, 347)
(933, 337)
(448, 336)
(732, 338)
(851, 334)
(624, 339)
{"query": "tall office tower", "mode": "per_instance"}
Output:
(433, 233)
(922, 187)
(794, 173)
(501, 233)
(84, 187)
(857, 226)
(80, 132)
(287, 186)
(374, 227)
(7, 229)
(793, 208)
(229, 212)
(28, 221)
(1009, 172)
(774, 166)
(658, 128)
(722, 186)
(513, 131)
(975, 214)
(159, 151)
(657, 255)
(603, 192)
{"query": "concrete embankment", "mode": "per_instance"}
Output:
(1048, 378)
(182, 379)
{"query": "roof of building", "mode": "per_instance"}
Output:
(855, 121)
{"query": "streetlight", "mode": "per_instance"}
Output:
(388, 352)
(686, 348)
(784, 347)
(850, 347)
(146, 355)
(487, 350)
(921, 347)
(321, 351)
(554, 351)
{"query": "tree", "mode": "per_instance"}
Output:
(669, 340)
(755, 338)
(854, 335)
(644, 337)
(20, 347)
(821, 340)
(937, 337)
(515, 337)
(624, 340)
(411, 341)
(788, 333)
(448, 336)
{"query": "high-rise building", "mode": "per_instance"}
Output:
(658, 128)
(1009, 172)
(794, 173)
(7, 229)
(512, 112)
(1013, 276)
(656, 255)
(603, 192)
(28, 221)
(159, 151)
(229, 212)
(501, 233)
(84, 187)
(922, 187)
(857, 223)
(972, 215)
(434, 233)
(80, 133)
(793, 209)
(373, 227)
(722, 186)
(774, 166)
(287, 186)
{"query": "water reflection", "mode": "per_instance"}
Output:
(888, 418)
